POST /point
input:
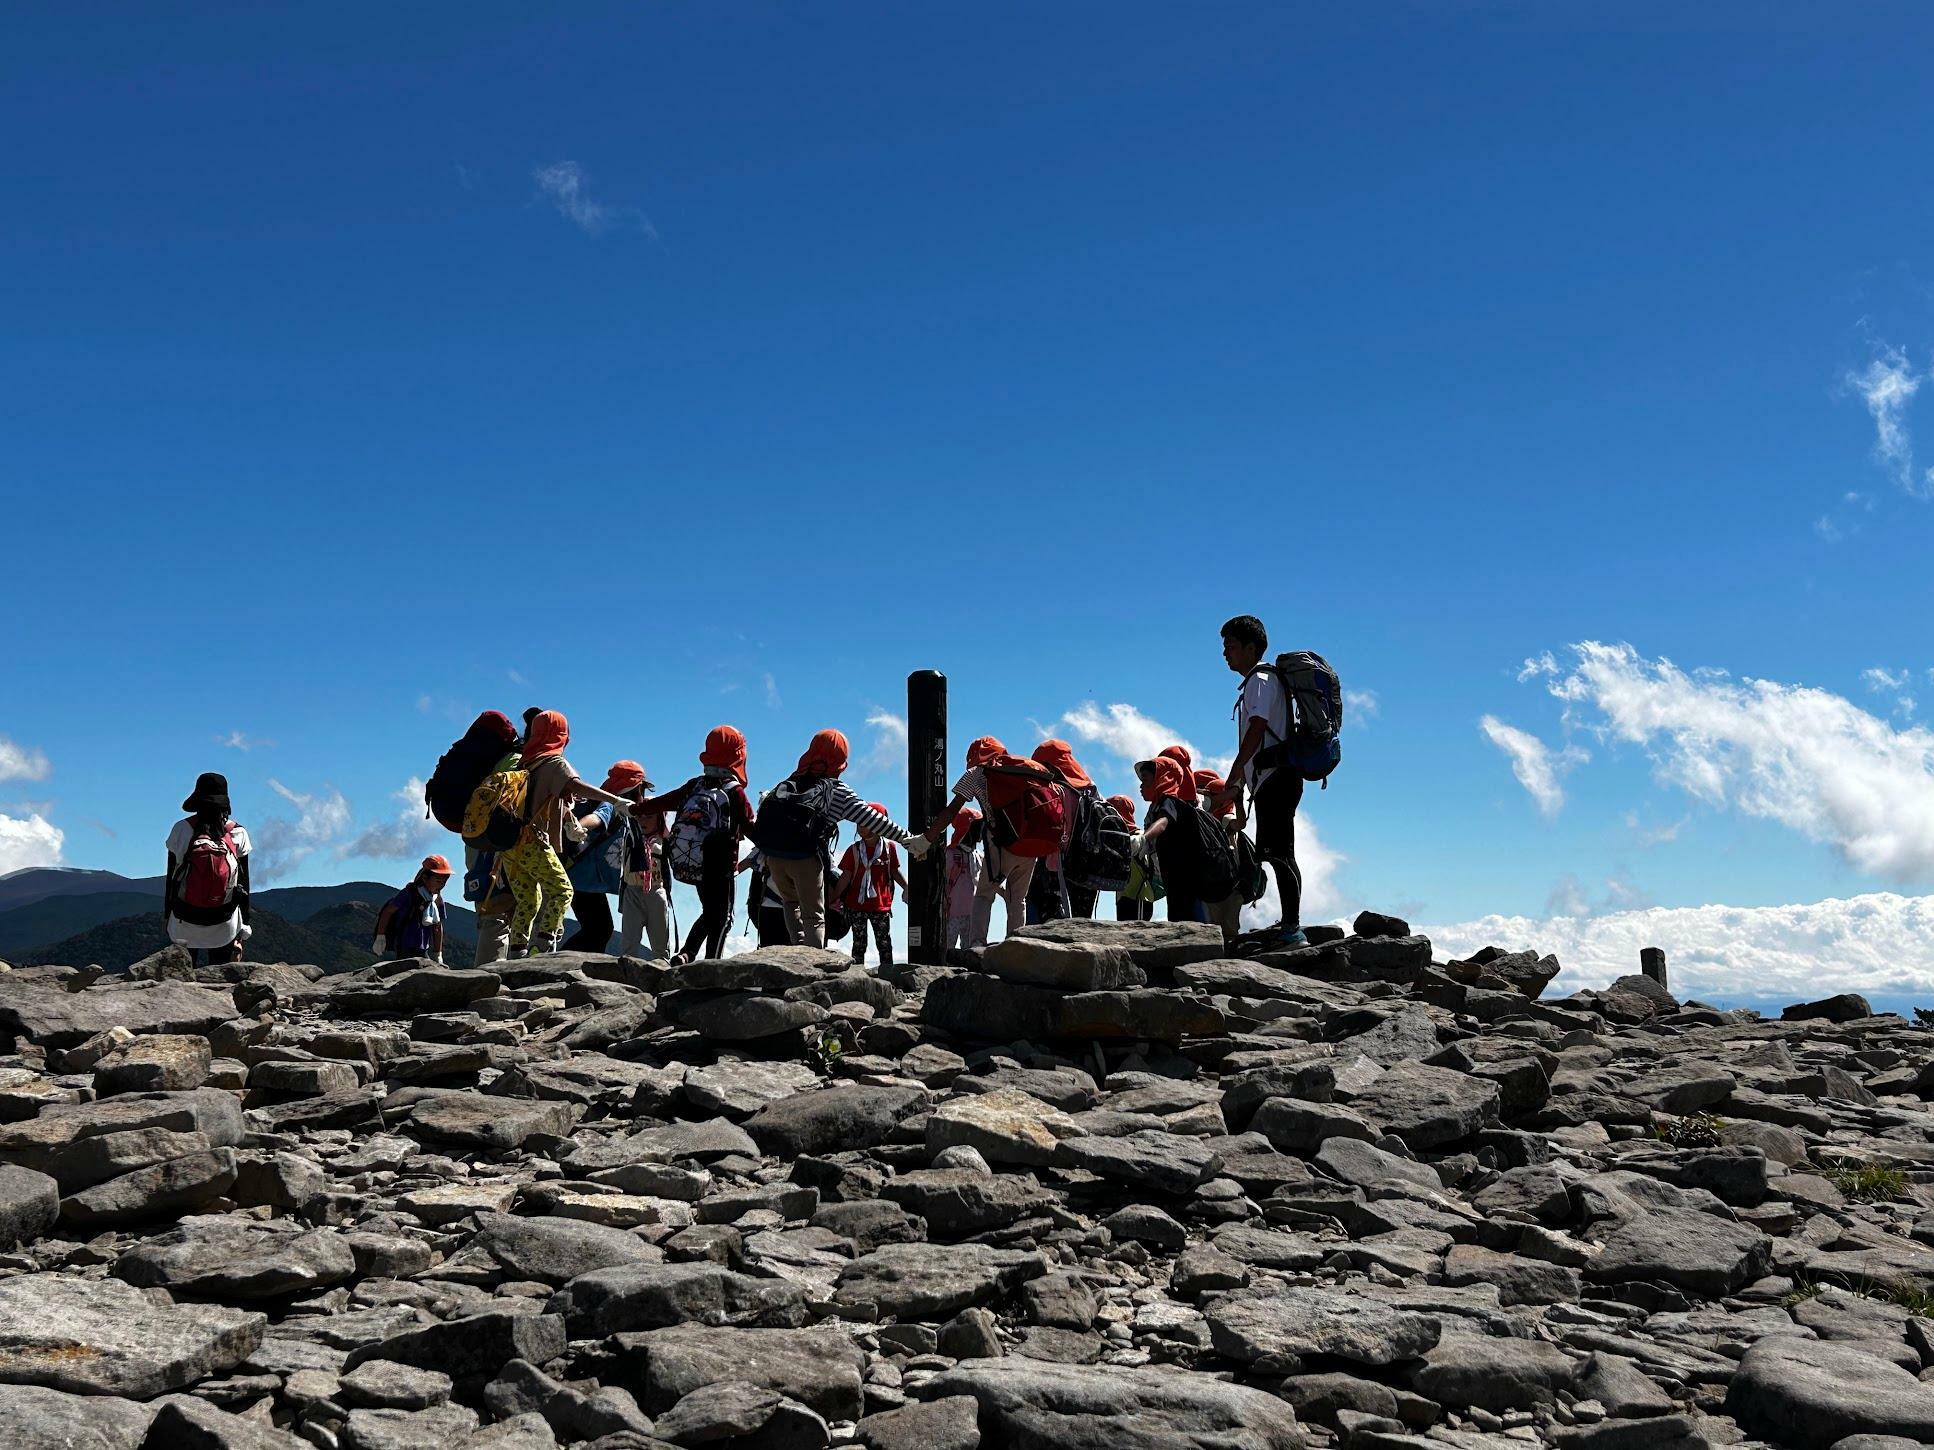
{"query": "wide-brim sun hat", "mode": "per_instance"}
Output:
(210, 793)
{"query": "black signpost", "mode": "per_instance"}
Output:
(926, 799)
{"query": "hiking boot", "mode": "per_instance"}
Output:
(1291, 939)
(517, 954)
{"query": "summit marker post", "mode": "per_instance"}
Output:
(926, 799)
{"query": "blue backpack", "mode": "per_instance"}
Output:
(1314, 748)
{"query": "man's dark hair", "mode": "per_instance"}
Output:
(1247, 629)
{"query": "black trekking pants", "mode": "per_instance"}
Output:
(715, 892)
(593, 912)
(1276, 802)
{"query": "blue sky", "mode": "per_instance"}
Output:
(673, 364)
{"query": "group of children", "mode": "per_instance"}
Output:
(1033, 832)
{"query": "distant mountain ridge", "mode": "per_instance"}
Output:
(79, 918)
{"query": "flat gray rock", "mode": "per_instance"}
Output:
(55, 1017)
(29, 1205)
(1284, 1325)
(820, 1367)
(832, 1118)
(738, 1089)
(1428, 1107)
(934, 1281)
(1065, 966)
(100, 1336)
(161, 1189)
(1811, 1393)
(215, 1258)
(654, 1296)
(36, 1418)
(1165, 1162)
(1030, 1404)
(556, 1250)
(1698, 1252)
(956, 1202)
(494, 1124)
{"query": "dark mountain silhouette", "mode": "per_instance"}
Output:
(121, 943)
(38, 883)
(58, 917)
(62, 925)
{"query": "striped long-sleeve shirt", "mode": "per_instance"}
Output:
(845, 805)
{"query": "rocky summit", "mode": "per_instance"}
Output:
(1107, 1187)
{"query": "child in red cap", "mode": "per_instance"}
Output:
(411, 922)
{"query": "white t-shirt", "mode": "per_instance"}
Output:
(193, 934)
(1261, 697)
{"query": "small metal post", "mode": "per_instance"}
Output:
(1652, 963)
(926, 799)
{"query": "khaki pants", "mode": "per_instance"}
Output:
(801, 887)
(1227, 914)
(646, 915)
(1006, 877)
(493, 938)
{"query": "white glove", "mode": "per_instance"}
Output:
(918, 846)
(380, 946)
(247, 932)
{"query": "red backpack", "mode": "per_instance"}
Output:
(1027, 809)
(208, 875)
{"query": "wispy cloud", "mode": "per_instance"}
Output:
(21, 762)
(516, 677)
(888, 755)
(1895, 683)
(1887, 386)
(565, 185)
(236, 740)
(1806, 758)
(1878, 943)
(1534, 763)
(282, 844)
(772, 691)
(1362, 704)
(409, 834)
(29, 841)
(1129, 735)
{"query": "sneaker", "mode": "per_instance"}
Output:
(1290, 940)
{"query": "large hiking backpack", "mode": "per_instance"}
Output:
(1100, 851)
(1315, 693)
(1027, 807)
(209, 871)
(1215, 855)
(706, 812)
(462, 768)
(795, 819)
(498, 811)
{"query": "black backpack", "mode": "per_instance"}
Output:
(1252, 879)
(795, 819)
(1099, 854)
(1215, 855)
(460, 770)
(1313, 749)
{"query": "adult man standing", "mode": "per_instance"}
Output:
(1265, 718)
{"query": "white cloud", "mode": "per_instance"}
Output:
(1807, 758)
(20, 762)
(516, 677)
(566, 187)
(1887, 386)
(1129, 735)
(281, 844)
(409, 835)
(772, 691)
(1878, 944)
(1362, 703)
(1533, 762)
(889, 753)
(32, 841)
(1538, 664)
(236, 740)
(1881, 679)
